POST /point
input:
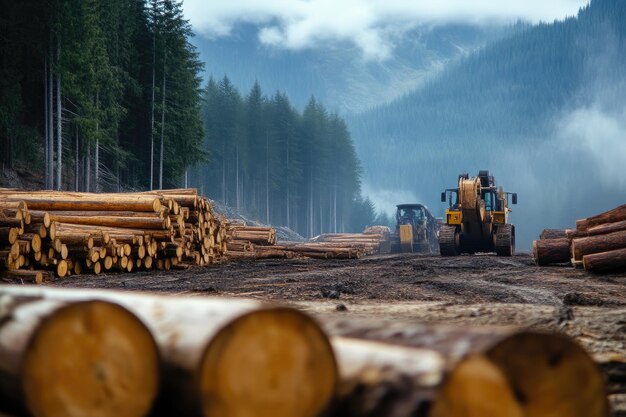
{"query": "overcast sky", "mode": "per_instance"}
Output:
(369, 24)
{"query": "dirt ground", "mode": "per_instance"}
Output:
(466, 290)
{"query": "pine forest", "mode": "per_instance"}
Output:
(107, 96)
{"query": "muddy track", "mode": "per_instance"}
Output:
(460, 280)
(461, 290)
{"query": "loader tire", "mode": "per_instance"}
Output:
(449, 241)
(505, 240)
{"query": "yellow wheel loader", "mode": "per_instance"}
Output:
(477, 218)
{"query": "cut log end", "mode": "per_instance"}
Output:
(551, 375)
(108, 263)
(91, 344)
(479, 386)
(295, 373)
(62, 268)
(528, 374)
(156, 205)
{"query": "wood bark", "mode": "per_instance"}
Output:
(551, 251)
(611, 216)
(11, 222)
(209, 366)
(601, 229)
(97, 202)
(112, 221)
(404, 369)
(596, 244)
(553, 234)
(8, 235)
(39, 337)
(610, 261)
(34, 277)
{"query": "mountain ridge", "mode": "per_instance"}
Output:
(337, 74)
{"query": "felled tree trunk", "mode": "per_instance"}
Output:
(553, 234)
(402, 369)
(61, 358)
(596, 244)
(615, 215)
(101, 202)
(228, 357)
(35, 277)
(602, 229)
(551, 251)
(611, 261)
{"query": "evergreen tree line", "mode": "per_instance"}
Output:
(280, 166)
(99, 95)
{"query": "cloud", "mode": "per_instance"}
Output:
(599, 137)
(368, 24)
(385, 200)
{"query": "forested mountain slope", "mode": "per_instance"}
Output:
(544, 109)
(337, 74)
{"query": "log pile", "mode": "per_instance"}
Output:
(254, 242)
(259, 235)
(368, 242)
(47, 233)
(123, 354)
(598, 243)
(44, 234)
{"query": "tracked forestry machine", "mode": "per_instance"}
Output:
(416, 230)
(477, 218)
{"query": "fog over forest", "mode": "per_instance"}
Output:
(540, 105)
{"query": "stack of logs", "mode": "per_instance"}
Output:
(254, 242)
(48, 233)
(598, 243)
(68, 233)
(235, 357)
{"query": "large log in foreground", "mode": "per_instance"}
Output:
(551, 251)
(227, 357)
(432, 371)
(88, 358)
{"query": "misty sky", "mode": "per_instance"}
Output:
(371, 25)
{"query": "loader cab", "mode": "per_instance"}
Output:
(451, 196)
(492, 201)
(410, 213)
